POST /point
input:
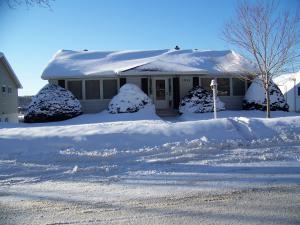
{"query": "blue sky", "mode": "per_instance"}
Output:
(30, 37)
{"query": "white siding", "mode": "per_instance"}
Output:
(232, 102)
(186, 84)
(8, 101)
(290, 91)
(134, 80)
(94, 106)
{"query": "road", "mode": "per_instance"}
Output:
(263, 205)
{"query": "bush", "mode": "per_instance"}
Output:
(52, 103)
(255, 98)
(199, 100)
(130, 99)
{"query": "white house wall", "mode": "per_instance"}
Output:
(93, 106)
(292, 97)
(8, 99)
(186, 84)
(232, 102)
(134, 80)
(289, 89)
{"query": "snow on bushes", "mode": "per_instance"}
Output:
(199, 100)
(130, 99)
(52, 103)
(255, 97)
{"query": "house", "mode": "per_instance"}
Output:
(9, 85)
(289, 84)
(94, 77)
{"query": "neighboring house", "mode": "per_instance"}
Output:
(9, 85)
(164, 75)
(23, 103)
(289, 85)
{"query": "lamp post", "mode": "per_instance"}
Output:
(214, 87)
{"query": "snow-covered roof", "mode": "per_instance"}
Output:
(10, 70)
(76, 64)
(282, 79)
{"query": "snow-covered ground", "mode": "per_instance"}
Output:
(141, 147)
(118, 157)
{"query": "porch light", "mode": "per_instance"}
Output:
(214, 87)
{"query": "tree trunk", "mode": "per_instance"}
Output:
(267, 93)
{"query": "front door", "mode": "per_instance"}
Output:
(161, 93)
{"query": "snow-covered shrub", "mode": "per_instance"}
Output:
(255, 97)
(199, 100)
(52, 103)
(129, 99)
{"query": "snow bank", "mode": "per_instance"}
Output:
(130, 99)
(137, 150)
(255, 97)
(199, 100)
(52, 103)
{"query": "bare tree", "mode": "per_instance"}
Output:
(28, 3)
(266, 35)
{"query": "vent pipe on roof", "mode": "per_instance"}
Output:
(177, 47)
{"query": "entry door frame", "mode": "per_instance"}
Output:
(161, 92)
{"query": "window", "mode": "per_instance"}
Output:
(144, 82)
(160, 90)
(195, 81)
(3, 89)
(110, 88)
(61, 83)
(9, 90)
(122, 81)
(238, 87)
(223, 86)
(298, 91)
(92, 89)
(75, 86)
(205, 83)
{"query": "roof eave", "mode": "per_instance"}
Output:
(143, 73)
(11, 71)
